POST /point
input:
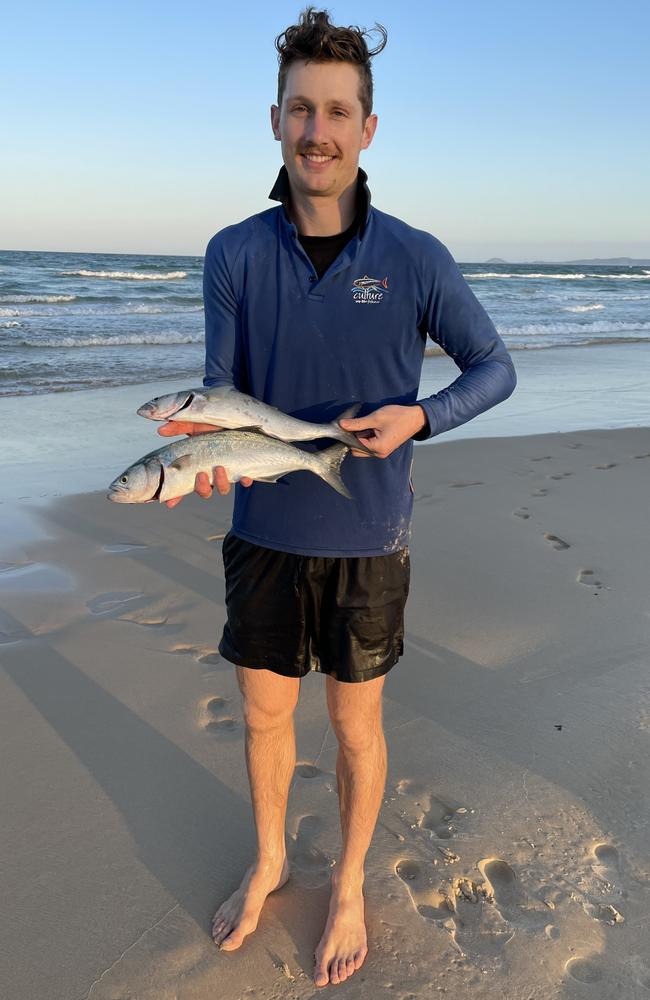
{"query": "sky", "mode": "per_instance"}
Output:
(507, 129)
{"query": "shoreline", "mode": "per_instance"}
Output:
(78, 441)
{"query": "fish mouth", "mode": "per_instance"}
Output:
(115, 494)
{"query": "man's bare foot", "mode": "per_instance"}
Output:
(344, 944)
(239, 915)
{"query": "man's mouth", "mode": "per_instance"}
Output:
(317, 157)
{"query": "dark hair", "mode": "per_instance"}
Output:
(316, 39)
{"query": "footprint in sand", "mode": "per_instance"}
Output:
(216, 718)
(304, 769)
(606, 868)
(426, 810)
(540, 493)
(560, 475)
(573, 444)
(510, 899)
(588, 578)
(583, 970)
(458, 486)
(522, 512)
(206, 656)
(147, 621)
(430, 903)
(557, 543)
(479, 930)
(647, 455)
(607, 857)
(610, 465)
(541, 458)
(308, 861)
(103, 604)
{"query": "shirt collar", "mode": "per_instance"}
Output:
(281, 192)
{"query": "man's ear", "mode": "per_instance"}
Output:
(275, 121)
(369, 130)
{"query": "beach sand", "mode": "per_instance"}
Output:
(511, 856)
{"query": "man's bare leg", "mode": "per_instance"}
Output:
(269, 701)
(355, 713)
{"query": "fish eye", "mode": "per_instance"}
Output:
(124, 479)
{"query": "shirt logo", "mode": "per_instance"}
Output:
(369, 289)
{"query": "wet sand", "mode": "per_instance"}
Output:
(511, 856)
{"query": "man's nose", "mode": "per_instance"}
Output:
(316, 128)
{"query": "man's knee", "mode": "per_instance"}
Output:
(356, 724)
(269, 699)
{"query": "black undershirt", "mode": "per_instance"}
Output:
(323, 250)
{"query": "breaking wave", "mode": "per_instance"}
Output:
(562, 277)
(33, 299)
(120, 340)
(583, 309)
(552, 329)
(126, 275)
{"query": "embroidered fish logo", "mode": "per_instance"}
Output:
(370, 284)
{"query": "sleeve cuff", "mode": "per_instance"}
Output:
(428, 430)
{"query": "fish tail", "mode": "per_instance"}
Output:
(347, 437)
(328, 464)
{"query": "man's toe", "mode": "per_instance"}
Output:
(360, 957)
(321, 977)
(232, 941)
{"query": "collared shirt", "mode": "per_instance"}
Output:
(312, 346)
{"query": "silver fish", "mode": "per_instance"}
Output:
(226, 407)
(170, 471)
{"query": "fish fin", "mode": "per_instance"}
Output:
(181, 462)
(328, 467)
(269, 479)
(349, 413)
(347, 437)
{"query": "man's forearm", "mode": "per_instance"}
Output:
(478, 389)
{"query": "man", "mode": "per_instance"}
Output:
(312, 305)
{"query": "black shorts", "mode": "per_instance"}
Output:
(292, 614)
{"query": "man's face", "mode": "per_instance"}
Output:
(321, 127)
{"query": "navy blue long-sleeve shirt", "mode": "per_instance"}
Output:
(312, 347)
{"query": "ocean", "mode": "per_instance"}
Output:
(71, 321)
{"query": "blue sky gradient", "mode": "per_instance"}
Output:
(506, 129)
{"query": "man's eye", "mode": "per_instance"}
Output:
(339, 112)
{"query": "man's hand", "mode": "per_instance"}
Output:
(202, 484)
(386, 429)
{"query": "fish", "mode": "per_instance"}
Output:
(170, 471)
(371, 283)
(225, 406)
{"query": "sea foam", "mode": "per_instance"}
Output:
(33, 299)
(580, 276)
(128, 275)
(584, 309)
